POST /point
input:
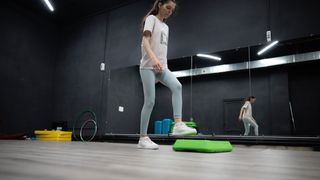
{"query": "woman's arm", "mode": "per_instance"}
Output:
(242, 111)
(146, 45)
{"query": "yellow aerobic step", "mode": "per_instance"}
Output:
(53, 135)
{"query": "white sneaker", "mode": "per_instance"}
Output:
(181, 129)
(146, 143)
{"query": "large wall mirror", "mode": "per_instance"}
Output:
(284, 80)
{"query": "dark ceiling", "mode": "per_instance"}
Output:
(69, 10)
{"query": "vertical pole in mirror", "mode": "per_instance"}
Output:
(292, 117)
(191, 84)
(249, 68)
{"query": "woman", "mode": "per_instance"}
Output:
(246, 116)
(154, 68)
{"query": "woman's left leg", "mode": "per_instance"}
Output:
(168, 79)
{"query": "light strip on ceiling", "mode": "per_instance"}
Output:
(267, 47)
(49, 5)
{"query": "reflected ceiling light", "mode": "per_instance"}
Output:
(49, 5)
(268, 47)
(181, 73)
(209, 57)
(272, 62)
(222, 68)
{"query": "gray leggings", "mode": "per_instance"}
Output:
(249, 121)
(168, 79)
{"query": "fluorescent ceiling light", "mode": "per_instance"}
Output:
(49, 5)
(209, 57)
(268, 47)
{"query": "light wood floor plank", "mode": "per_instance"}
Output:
(76, 161)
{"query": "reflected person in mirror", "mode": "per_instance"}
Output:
(247, 118)
(154, 68)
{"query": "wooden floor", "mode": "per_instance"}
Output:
(33, 160)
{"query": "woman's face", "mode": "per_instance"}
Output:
(167, 9)
(253, 100)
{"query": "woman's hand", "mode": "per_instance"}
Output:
(157, 66)
(240, 118)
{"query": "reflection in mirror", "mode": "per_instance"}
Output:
(285, 80)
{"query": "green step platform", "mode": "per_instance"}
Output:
(204, 146)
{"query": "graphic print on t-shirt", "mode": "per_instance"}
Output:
(164, 38)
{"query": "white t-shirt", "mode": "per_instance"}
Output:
(248, 108)
(158, 41)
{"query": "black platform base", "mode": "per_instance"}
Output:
(246, 140)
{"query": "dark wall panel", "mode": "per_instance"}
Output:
(271, 110)
(124, 37)
(215, 25)
(27, 54)
(279, 103)
(125, 89)
(304, 95)
(78, 79)
(209, 26)
(209, 95)
(290, 19)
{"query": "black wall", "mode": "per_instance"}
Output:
(28, 49)
(209, 26)
(78, 79)
(43, 84)
(125, 89)
(290, 19)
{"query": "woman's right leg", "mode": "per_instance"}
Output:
(252, 123)
(255, 127)
(148, 82)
